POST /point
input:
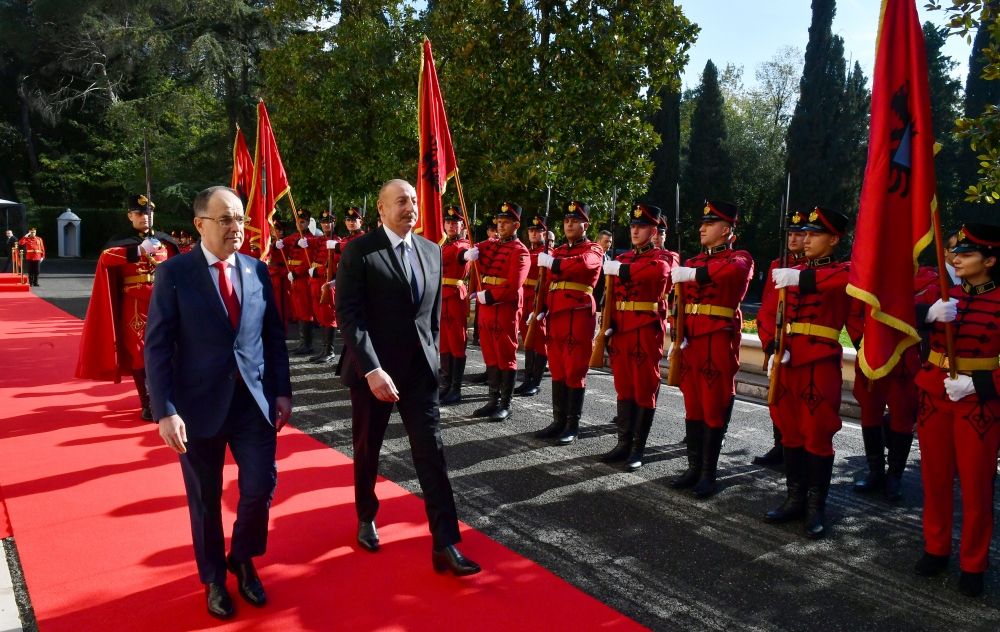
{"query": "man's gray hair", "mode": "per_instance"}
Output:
(393, 182)
(201, 200)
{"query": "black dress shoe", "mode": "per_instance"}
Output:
(449, 559)
(368, 536)
(220, 604)
(970, 584)
(930, 565)
(249, 584)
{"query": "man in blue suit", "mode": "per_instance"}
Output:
(217, 366)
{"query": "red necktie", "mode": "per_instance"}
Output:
(228, 295)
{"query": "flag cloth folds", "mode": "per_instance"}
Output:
(270, 184)
(898, 204)
(437, 156)
(242, 180)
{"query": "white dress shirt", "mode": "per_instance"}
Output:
(232, 273)
(411, 251)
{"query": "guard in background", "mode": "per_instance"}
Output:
(572, 318)
(278, 272)
(457, 255)
(635, 335)
(715, 282)
(807, 402)
(34, 254)
(503, 267)
(298, 261)
(321, 249)
(114, 329)
(795, 243)
(959, 420)
(892, 431)
(536, 357)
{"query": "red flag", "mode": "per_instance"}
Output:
(898, 204)
(242, 180)
(437, 156)
(270, 184)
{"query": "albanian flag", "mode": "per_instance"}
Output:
(242, 180)
(898, 203)
(437, 156)
(270, 184)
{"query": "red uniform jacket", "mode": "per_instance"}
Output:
(34, 248)
(820, 299)
(976, 336)
(454, 267)
(531, 283)
(319, 254)
(643, 278)
(503, 267)
(766, 318)
(672, 259)
(578, 263)
(297, 258)
(722, 280)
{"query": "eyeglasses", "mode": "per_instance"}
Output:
(226, 221)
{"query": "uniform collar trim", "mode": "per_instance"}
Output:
(978, 289)
(822, 261)
(574, 244)
(643, 249)
(507, 240)
(716, 250)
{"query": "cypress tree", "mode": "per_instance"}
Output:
(944, 95)
(979, 93)
(709, 166)
(666, 156)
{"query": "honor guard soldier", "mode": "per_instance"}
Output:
(278, 271)
(635, 335)
(295, 248)
(457, 255)
(114, 330)
(892, 432)
(671, 258)
(795, 245)
(715, 282)
(184, 241)
(34, 254)
(572, 318)
(959, 419)
(321, 272)
(807, 400)
(503, 267)
(536, 357)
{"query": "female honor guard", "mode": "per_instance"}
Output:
(537, 356)
(715, 282)
(959, 419)
(572, 315)
(809, 382)
(456, 259)
(504, 266)
(635, 335)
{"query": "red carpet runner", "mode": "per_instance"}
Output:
(99, 516)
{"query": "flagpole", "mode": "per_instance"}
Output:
(295, 216)
(943, 276)
(465, 216)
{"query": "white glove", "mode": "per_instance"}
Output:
(291, 276)
(611, 267)
(682, 274)
(943, 312)
(280, 244)
(331, 244)
(312, 272)
(785, 359)
(545, 260)
(481, 297)
(149, 245)
(531, 317)
(332, 283)
(472, 254)
(684, 345)
(960, 387)
(608, 332)
(303, 243)
(541, 316)
(785, 277)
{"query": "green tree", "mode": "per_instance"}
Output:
(666, 157)
(709, 170)
(825, 151)
(945, 95)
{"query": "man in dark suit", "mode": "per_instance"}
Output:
(218, 375)
(11, 243)
(389, 308)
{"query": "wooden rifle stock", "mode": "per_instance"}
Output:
(324, 293)
(779, 348)
(677, 337)
(601, 342)
(529, 337)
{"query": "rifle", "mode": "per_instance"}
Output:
(532, 333)
(149, 179)
(779, 319)
(601, 342)
(677, 309)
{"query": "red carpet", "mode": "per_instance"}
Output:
(100, 520)
(12, 283)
